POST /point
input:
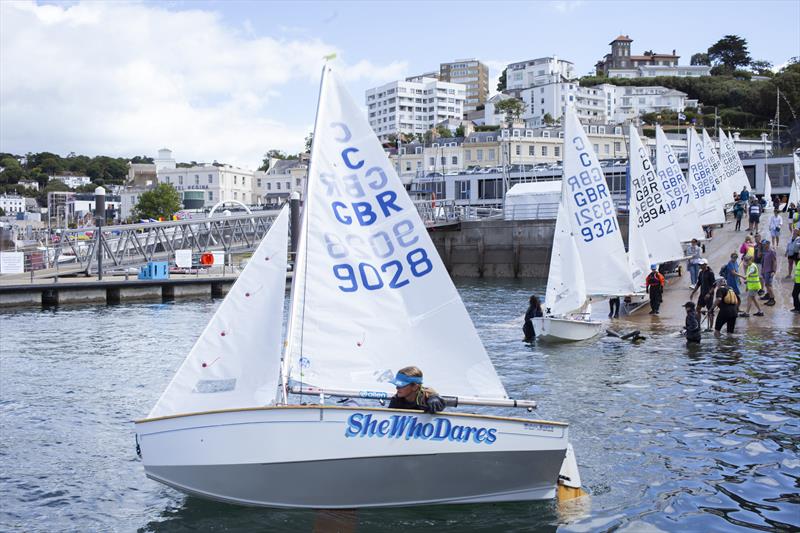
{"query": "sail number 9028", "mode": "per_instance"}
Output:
(392, 273)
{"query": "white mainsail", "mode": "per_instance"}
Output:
(680, 204)
(724, 190)
(731, 164)
(794, 189)
(371, 294)
(638, 254)
(648, 201)
(701, 180)
(566, 285)
(236, 361)
(593, 216)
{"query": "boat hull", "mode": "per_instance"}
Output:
(555, 329)
(325, 457)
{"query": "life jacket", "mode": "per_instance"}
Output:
(753, 281)
(654, 278)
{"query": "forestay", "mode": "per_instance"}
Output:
(701, 180)
(236, 361)
(681, 206)
(566, 285)
(731, 164)
(371, 294)
(649, 206)
(593, 216)
(724, 190)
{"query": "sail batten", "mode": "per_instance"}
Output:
(372, 294)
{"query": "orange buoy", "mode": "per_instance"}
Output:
(207, 259)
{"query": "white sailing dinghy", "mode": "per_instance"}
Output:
(594, 232)
(566, 307)
(370, 295)
(701, 179)
(732, 164)
(724, 189)
(679, 202)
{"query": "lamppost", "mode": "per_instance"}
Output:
(99, 218)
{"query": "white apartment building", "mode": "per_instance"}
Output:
(12, 203)
(534, 72)
(413, 107)
(219, 183)
(284, 176)
(553, 98)
(626, 103)
(73, 182)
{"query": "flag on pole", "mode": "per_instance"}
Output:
(681, 116)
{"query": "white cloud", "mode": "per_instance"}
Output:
(125, 79)
(566, 6)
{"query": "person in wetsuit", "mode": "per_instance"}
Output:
(412, 395)
(534, 310)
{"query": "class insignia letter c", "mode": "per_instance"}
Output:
(346, 158)
(346, 135)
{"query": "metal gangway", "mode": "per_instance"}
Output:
(122, 246)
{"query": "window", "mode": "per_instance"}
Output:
(595, 148)
(258, 183)
(606, 149)
(491, 154)
(197, 179)
(444, 160)
(544, 151)
(288, 185)
(210, 178)
(532, 150)
(490, 189)
(432, 161)
(235, 195)
(297, 182)
(468, 153)
(180, 180)
(269, 186)
(480, 154)
(277, 185)
(166, 179)
(557, 151)
(211, 196)
(518, 149)
(234, 179)
(617, 146)
(462, 189)
(454, 160)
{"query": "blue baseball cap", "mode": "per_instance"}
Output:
(653, 266)
(401, 380)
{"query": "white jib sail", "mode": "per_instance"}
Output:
(731, 164)
(724, 190)
(652, 217)
(794, 189)
(593, 216)
(236, 361)
(767, 190)
(566, 285)
(680, 204)
(701, 180)
(371, 294)
(639, 259)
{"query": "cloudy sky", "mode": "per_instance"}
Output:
(229, 80)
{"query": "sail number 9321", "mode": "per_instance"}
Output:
(392, 274)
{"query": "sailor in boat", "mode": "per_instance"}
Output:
(412, 395)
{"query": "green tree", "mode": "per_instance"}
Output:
(161, 201)
(460, 131)
(501, 81)
(271, 154)
(700, 58)
(138, 159)
(2, 212)
(309, 141)
(548, 119)
(728, 54)
(444, 132)
(512, 107)
(761, 67)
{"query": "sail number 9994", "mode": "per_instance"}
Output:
(394, 274)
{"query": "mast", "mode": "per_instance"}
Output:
(300, 266)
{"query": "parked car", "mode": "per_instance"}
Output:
(434, 175)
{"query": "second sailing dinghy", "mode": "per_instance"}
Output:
(370, 295)
(588, 256)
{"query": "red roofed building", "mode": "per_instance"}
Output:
(621, 64)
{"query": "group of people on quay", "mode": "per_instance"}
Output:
(747, 280)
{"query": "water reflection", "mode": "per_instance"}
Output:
(668, 436)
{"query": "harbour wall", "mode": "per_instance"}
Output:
(500, 248)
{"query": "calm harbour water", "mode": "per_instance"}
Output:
(668, 438)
